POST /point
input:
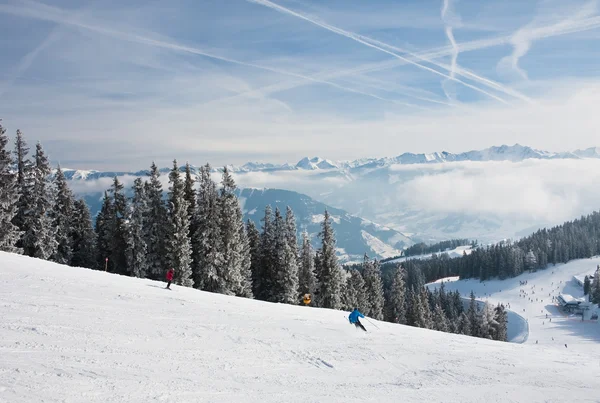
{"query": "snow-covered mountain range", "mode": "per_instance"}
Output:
(513, 153)
(489, 195)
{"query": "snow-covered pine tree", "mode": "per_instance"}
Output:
(587, 285)
(117, 260)
(440, 322)
(208, 256)
(501, 318)
(178, 246)
(267, 257)
(23, 184)
(278, 257)
(9, 197)
(358, 284)
(472, 316)
(136, 244)
(190, 197)
(349, 294)
(485, 321)
(398, 297)
(530, 260)
(329, 274)
(424, 306)
(374, 288)
(463, 326)
(84, 237)
(39, 240)
(155, 225)
(245, 256)
(414, 314)
(290, 228)
(354, 293)
(595, 291)
(307, 281)
(229, 271)
(103, 232)
(62, 216)
(287, 252)
(254, 244)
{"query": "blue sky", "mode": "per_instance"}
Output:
(116, 84)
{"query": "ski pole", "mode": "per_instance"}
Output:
(371, 322)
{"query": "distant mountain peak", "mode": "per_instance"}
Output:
(316, 163)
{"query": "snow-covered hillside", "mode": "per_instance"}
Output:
(77, 335)
(548, 326)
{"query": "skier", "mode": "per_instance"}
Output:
(170, 274)
(353, 318)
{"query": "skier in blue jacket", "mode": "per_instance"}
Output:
(353, 318)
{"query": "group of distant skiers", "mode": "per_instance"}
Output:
(353, 317)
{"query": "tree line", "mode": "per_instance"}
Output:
(421, 248)
(575, 239)
(197, 228)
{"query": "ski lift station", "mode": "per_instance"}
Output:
(578, 306)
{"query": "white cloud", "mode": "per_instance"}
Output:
(535, 190)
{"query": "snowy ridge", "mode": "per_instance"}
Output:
(512, 153)
(71, 334)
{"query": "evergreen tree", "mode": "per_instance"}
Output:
(374, 288)
(9, 197)
(485, 320)
(530, 260)
(155, 225)
(306, 277)
(190, 197)
(209, 257)
(117, 230)
(103, 232)
(62, 215)
(266, 281)
(357, 283)
(472, 316)
(255, 255)
(398, 297)
(24, 183)
(136, 244)
(440, 322)
(587, 285)
(464, 325)
(595, 291)
(39, 240)
(329, 273)
(286, 288)
(229, 272)
(178, 246)
(245, 253)
(501, 323)
(425, 307)
(84, 237)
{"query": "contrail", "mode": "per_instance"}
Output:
(370, 43)
(59, 16)
(562, 28)
(450, 35)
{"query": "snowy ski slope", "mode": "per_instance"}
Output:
(77, 335)
(557, 329)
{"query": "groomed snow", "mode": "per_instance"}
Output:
(77, 335)
(555, 330)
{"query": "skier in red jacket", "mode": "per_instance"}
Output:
(170, 274)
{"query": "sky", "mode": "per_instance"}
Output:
(118, 84)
